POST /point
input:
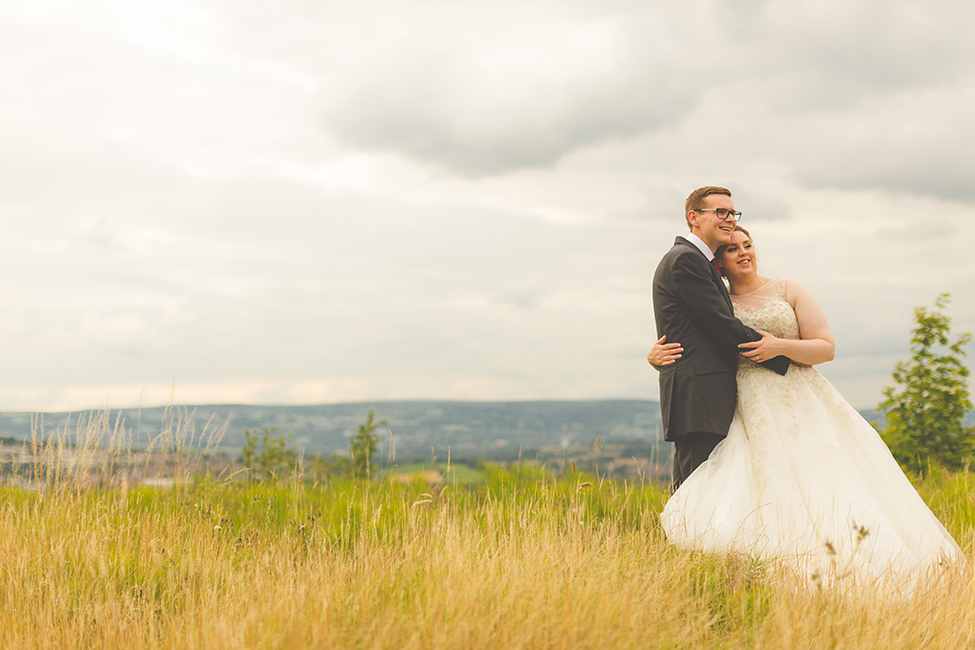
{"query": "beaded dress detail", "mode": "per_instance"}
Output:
(804, 478)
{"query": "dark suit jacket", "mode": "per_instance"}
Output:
(693, 308)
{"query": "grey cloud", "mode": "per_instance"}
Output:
(911, 143)
(522, 299)
(757, 204)
(525, 132)
(438, 102)
(916, 145)
(916, 181)
(837, 53)
(872, 96)
(478, 109)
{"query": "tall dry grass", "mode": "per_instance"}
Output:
(386, 566)
(524, 561)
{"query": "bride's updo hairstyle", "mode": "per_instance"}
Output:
(740, 229)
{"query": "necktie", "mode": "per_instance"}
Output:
(714, 263)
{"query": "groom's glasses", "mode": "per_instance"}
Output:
(722, 213)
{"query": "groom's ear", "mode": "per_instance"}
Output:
(692, 218)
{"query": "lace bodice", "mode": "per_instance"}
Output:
(768, 310)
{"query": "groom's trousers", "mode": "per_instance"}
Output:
(690, 450)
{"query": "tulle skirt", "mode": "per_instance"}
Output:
(804, 479)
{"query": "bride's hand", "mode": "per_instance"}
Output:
(758, 351)
(663, 353)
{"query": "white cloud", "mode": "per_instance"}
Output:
(125, 333)
(331, 201)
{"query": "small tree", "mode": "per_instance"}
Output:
(926, 411)
(277, 457)
(363, 445)
(325, 467)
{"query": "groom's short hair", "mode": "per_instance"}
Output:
(696, 199)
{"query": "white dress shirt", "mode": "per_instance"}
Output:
(697, 241)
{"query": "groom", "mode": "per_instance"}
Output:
(692, 307)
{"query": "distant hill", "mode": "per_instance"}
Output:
(418, 429)
(873, 415)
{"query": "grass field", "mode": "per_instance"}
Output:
(522, 560)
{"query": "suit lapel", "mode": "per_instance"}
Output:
(714, 273)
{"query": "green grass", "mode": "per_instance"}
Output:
(516, 558)
(454, 473)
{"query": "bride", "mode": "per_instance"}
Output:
(801, 475)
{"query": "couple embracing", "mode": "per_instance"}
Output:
(769, 459)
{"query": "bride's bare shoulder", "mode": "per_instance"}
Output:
(796, 294)
(793, 289)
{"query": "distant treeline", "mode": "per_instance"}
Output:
(416, 430)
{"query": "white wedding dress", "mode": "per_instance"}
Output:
(803, 478)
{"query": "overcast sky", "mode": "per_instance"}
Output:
(304, 202)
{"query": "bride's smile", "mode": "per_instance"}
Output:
(737, 259)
